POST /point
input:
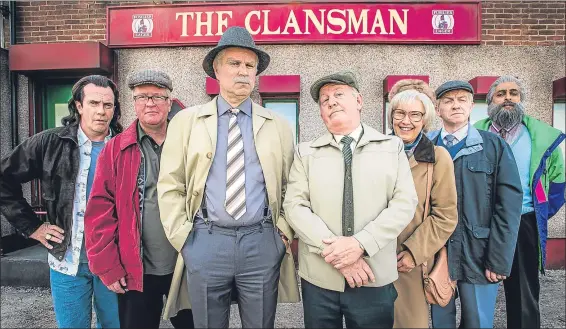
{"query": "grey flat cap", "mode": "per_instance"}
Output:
(340, 78)
(150, 77)
(453, 85)
(235, 36)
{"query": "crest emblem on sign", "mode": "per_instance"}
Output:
(142, 25)
(443, 21)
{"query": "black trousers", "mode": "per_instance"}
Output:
(363, 307)
(522, 287)
(143, 309)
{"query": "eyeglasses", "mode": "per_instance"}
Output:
(157, 100)
(414, 116)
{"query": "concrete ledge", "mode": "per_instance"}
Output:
(25, 267)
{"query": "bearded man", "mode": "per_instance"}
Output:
(541, 167)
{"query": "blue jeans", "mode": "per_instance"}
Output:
(72, 300)
(478, 307)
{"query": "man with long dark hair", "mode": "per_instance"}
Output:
(64, 160)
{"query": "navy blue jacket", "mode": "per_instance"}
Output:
(489, 207)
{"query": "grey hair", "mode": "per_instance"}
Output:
(218, 58)
(502, 79)
(411, 95)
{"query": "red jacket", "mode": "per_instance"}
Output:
(112, 217)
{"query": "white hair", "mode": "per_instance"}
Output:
(409, 96)
(502, 79)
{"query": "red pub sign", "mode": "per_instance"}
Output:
(296, 22)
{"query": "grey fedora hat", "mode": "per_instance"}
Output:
(235, 36)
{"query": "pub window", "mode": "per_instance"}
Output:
(558, 120)
(287, 108)
(559, 108)
(386, 127)
(481, 85)
(479, 111)
(280, 93)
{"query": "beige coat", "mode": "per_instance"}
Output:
(424, 238)
(186, 159)
(384, 203)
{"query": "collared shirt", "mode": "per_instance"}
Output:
(159, 256)
(215, 188)
(356, 134)
(512, 133)
(70, 263)
(459, 134)
(519, 139)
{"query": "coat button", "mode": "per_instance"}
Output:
(195, 193)
(451, 240)
(209, 155)
(476, 235)
(349, 229)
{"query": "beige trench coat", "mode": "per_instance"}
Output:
(424, 238)
(186, 159)
(384, 203)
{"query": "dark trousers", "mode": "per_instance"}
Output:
(365, 307)
(225, 264)
(143, 309)
(522, 288)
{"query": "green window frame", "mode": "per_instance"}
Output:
(56, 99)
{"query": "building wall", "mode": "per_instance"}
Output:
(522, 38)
(6, 132)
(371, 63)
(513, 23)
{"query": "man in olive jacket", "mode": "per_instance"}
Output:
(480, 251)
(350, 195)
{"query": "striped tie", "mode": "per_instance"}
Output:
(449, 140)
(235, 203)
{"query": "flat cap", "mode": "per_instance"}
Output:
(453, 85)
(340, 78)
(150, 77)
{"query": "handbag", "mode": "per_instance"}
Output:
(438, 287)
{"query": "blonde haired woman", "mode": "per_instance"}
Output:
(411, 114)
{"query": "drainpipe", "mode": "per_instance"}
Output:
(13, 80)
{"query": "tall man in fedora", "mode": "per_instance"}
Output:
(224, 172)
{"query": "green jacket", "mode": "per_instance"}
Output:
(547, 174)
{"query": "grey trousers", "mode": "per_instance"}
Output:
(225, 264)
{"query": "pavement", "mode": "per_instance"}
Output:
(31, 307)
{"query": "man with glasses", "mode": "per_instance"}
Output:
(350, 194)
(126, 244)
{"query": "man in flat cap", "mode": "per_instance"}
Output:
(126, 244)
(221, 191)
(350, 194)
(480, 251)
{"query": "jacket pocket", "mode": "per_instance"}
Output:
(483, 179)
(480, 232)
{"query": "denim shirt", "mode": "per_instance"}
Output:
(70, 263)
